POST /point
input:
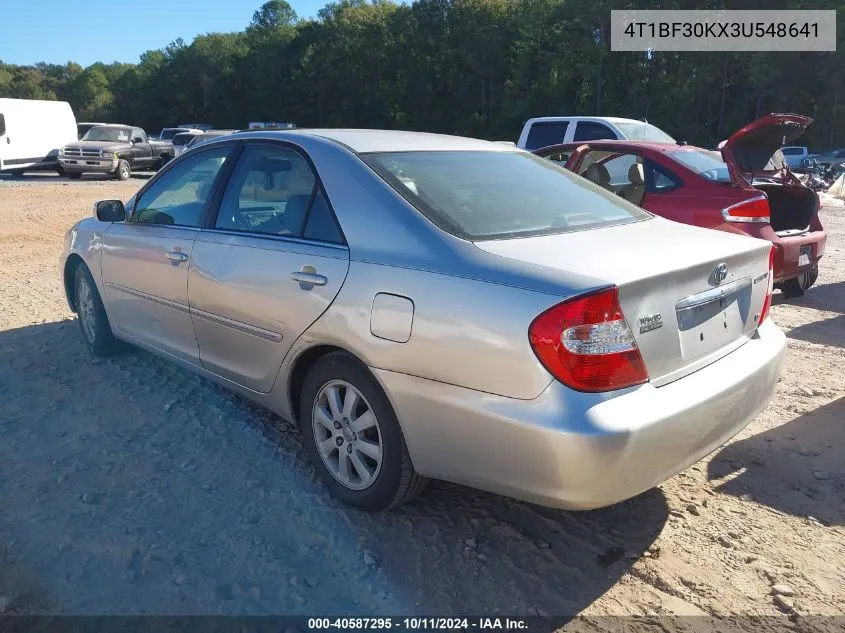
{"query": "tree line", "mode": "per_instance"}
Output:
(471, 67)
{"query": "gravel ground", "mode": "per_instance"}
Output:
(130, 487)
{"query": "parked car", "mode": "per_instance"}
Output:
(205, 136)
(794, 155)
(202, 127)
(510, 326)
(116, 150)
(32, 132)
(181, 140)
(270, 125)
(82, 129)
(168, 133)
(746, 189)
(553, 130)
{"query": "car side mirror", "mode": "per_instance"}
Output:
(137, 139)
(110, 211)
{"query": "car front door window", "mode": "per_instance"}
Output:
(180, 195)
(270, 192)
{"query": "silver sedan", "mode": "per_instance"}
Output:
(429, 306)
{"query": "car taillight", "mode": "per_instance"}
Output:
(752, 210)
(767, 302)
(586, 343)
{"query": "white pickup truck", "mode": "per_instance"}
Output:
(553, 130)
(794, 154)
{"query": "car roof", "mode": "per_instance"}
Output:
(657, 146)
(364, 141)
(611, 119)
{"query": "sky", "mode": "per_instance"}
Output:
(88, 31)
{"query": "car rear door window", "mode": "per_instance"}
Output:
(180, 194)
(660, 180)
(592, 131)
(270, 192)
(321, 225)
(545, 133)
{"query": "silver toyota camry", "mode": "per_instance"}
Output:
(430, 306)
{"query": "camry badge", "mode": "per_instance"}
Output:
(719, 274)
(650, 322)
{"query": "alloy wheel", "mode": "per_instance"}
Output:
(85, 307)
(347, 434)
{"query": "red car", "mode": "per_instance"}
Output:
(748, 189)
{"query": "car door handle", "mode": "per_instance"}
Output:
(176, 256)
(308, 278)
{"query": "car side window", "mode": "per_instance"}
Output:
(179, 196)
(592, 131)
(139, 133)
(270, 192)
(560, 157)
(321, 225)
(660, 180)
(545, 133)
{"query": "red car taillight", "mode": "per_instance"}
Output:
(752, 210)
(767, 302)
(586, 343)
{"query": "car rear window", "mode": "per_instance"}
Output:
(705, 163)
(482, 195)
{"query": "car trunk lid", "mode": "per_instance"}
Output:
(756, 147)
(690, 295)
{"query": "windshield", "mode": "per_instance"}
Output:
(112, 134)
(168, 133)
(705, 163)
(643, 132)
(477, 195)
(183, 139)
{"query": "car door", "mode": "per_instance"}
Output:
(592, 131)
(266, 268)
(146, 259)
(142, 154)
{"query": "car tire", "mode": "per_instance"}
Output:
(390, 478)
(91, 314)
(74, 175)
(61, 171)
(123, 171)
(797, 286)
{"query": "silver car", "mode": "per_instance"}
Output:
(429, 306)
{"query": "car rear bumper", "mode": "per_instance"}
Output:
(583, 451)
(88, 165)
(788, 262)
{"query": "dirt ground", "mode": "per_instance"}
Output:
(129, 486)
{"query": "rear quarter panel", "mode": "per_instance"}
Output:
(464, 332)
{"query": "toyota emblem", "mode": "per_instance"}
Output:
(719, 274)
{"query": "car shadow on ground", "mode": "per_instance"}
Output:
(822, 331)
(796, 468)
(132, 486)
(823, 297)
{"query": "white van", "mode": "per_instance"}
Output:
(32, 132)
(554, 130)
